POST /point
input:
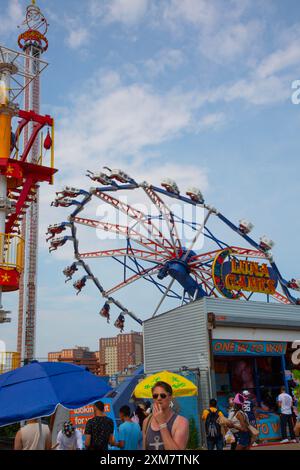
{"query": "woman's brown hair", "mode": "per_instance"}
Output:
(164, 385)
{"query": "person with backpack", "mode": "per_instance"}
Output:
(214, 436)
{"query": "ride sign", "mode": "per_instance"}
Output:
(250, 276)
(231, 277)
(248, 348)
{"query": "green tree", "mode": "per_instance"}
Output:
(9, 431)
(296, 376)
(193, 442)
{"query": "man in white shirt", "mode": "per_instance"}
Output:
(285, 402)
(69, 438)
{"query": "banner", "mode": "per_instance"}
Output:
(9, 279)
(268, 425)
(248, 348)
(80, 416)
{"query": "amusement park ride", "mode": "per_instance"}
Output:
(21, 171)
(149, 246)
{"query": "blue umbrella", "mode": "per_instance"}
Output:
(35, 390)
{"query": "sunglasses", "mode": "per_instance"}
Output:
(161, 395)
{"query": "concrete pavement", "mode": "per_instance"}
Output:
(278, 446)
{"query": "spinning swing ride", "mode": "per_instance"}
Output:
(149, 246)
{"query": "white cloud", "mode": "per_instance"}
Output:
(122, 120)
(11, 18)
(237, 8)
(77, 37)
(221, 32)
(198, 12)
(114, 122)
(212, 120)
(128, 12)
(253, 90)
(259, 92)
(77, 32)
(164, 60)
(280, 60)
(231, 42)
(184, 174)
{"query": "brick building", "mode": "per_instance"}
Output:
(101, 370)
(80, 356)
(120, 352)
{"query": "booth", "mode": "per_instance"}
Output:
(256, 366)
(235, 346)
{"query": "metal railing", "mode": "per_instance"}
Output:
(9, 361)
(11, 251)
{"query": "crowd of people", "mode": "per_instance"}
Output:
(155, 427)
(159, 427)
(239, 428)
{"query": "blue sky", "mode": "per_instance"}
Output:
(197, 90)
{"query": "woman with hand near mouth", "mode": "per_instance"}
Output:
(164, 429)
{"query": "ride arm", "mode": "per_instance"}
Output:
(236, 229)
(292, 299)
(283, 283)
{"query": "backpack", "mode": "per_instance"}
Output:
(212, 426)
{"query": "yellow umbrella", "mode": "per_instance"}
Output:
(181, 386)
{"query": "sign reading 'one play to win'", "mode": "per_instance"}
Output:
(248, 348)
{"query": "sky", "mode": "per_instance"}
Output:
(195, 90)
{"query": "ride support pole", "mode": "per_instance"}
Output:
(5, 124)
(6, 114)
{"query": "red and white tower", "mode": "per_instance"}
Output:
(33, 42)
(23, 166)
